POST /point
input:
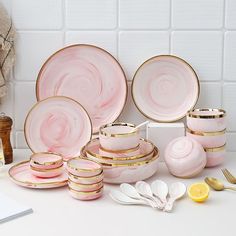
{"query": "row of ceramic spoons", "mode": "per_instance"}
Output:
(157, 195)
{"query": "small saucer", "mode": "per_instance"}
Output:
(21, 175)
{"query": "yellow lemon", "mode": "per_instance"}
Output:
(198, 192)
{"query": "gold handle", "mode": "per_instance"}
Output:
(231, 188)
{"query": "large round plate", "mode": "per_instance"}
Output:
(164, 88)
(21, 175)
(89, 75)
(58, 124)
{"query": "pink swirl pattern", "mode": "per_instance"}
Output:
(164, 88)
(185, 157)
(89, 75)
(59, 125)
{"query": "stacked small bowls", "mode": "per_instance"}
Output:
(125, 157)
(85, 179)
(208, 127)
(46, 165)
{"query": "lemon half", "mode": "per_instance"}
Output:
(198, 192)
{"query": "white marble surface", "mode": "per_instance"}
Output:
(56, 213)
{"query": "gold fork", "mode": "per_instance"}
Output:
(229, 176)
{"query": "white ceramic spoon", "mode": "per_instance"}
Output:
(131, 192)
(144, 190)
(176, 191)
(123, 199)
(160, 190)
(142, 124)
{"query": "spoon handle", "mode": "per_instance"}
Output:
(231, 188)
(169, 205)
(150, 202)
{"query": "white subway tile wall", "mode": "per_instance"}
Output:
(203, 32)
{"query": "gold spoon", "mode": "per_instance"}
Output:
(216, 184)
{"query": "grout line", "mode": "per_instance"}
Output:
(170, 26)
(223, 54)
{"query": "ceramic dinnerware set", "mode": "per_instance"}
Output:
(124, 156)
(85, 179)
(208, 127)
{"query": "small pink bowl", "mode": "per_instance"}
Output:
(83, 167)
(46, 160)
(208, 139)
(119, 136)
(86, 180)
(206, 120)
(185, 157)
(85, 196)
(215, 156)
(50, 173)
(85, 187)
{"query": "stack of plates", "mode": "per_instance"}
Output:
(131, 166)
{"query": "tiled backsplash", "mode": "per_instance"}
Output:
(201, 31)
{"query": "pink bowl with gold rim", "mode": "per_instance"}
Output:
(50, 173)
(86, 180)
(86, 196)
(119, 136)
(83, 167)
(46, 160)
(206, 120)
(208, 139)
(85, 187)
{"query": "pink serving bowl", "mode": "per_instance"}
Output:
(206, 120)
(86, 180)
(85, 187)
(83, 167)
(47, 173)
(185, 157)
(119, 136)
(85, 196)
(208, 139)
(215, 156)
(46, 160)
(130, 172)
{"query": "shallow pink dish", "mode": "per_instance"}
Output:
(86, 180)
(130, 173)
(88, 74)
(48, 173)
(86, 196)
(119, 136)
(21, 175)
(185, 157)
(85, 187)
(206, 120)
(46, 160)
(164, 88)
(83, 167)
(208, 139)
(92, 149)
(215, 156)
(59, 125)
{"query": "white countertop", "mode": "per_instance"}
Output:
(57, 213)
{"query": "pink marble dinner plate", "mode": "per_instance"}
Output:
(164, 88)
(58, 124)
(21, 175)
(89, 75)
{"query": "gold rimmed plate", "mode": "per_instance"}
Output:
(58, 124)
(164, 88)
(89, 75)
(146, 149)
(21, 175)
